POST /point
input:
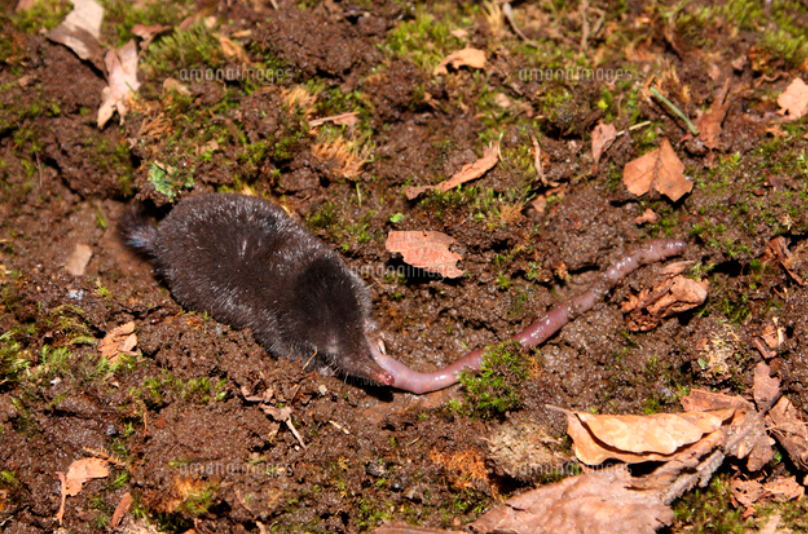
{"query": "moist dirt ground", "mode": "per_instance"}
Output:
(179, 415)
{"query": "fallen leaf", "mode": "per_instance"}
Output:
(766, 388)
(794, 101)
(120, 340)
(659, 169)
(602, 138)
(469, 172)
(148, 33)
(122, 68)
(78, 473)
(638, 438)
(592, 503)
(78, 260)
(785, 488)
(673, 295)
(771, 525)
(232, 50)
(778, 248)
(648, 216)
(121, 510)
(746, 492)
(427, 250)
(170, 84)
(774, 335)
(790, 431)
(468, 57)
(81, 29)
(460, 34)
(709, 124)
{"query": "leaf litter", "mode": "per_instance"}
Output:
(660, 170)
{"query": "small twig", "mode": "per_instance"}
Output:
(508, 12)
(274, 4)
(294, 431)
(310, 359)
(585, 23)
(677, 111)
(635, 127)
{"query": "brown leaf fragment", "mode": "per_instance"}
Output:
(778, 248)
(637, 439)
(785, 488)
(674, 295)
(602, 138)
(596, 503)
(427, 250)
(349, 119)
(122, 70)
(81, 30)
(78, 260)
(790, 431)
(709, 124)
(148, 33)
(794, 100)
(121, 339)
(170, 84)
(659, 169)
(469, 172)
(773, 335)
(468, 57)
(700, 400)
(648, 216)
(121, 510)
(82, 471)
(766, 389)
(771, 526)
(746, 492)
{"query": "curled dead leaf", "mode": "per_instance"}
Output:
(427, 250)
(674, 295)
(602, 138)
(709, 124)
(122, 68)
(78, 260)
(121, 339)
(468, 57)
(637, 438)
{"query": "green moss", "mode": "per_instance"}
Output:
(424, 40)
(170, 184)
(195, 48)
(495, 388)
(43, 14)
(120, 16)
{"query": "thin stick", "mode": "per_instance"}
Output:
(677, 111)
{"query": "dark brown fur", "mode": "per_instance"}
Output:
(250, 265)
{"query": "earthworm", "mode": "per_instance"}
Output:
(540, 330)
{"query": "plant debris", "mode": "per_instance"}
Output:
(78, 260)
(122, 68)
(427, 250)
(467, 57)
(660, 170)
(469, 172)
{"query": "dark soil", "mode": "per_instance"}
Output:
(185, 442)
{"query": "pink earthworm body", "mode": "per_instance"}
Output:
(406, 379)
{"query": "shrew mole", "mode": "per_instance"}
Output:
(249, 264)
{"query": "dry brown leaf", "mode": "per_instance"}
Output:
(746, 492)
(637, 438)
(746, 431)
(469, 172)
(121, 510)
(122, 69)
(785, 488)
(427, 250)
(790, 430)
(673, 295)
(766, 389)
(648, 216)
(597, 503)
(709, 124)
(468, 57)
(778, 248)
(148, 33)
(78, 473)
(81, 30)
(773, 335)
(602, 138)
(794, 101)
(120, 339)
(659, 169)
(78, 260)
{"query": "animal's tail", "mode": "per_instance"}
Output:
(137, 231)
